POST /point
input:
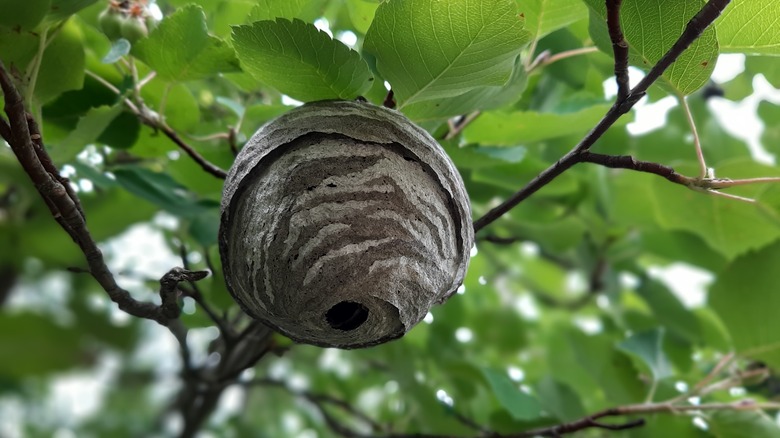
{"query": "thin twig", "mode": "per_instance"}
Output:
(152, 119)
(471, 423)
(5, 130)
(733, 381)
(592, 421)
(35, 67)
(529, 60)
(199, 397)
(693, 30)
(724, 183)
(707, 185)
(225, 329)
(722, 363)
(629, 162)
(619, 48)
(545, 254)
(389, 101)
(179, 331)
(458, 127)
(545, 58)
(696, 141)
(27, 144)
(317, 399)
(204, 164)
(646, 408)
(233, 138)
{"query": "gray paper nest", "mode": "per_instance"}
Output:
(342, 224)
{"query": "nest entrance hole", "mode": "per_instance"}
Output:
(347, 315)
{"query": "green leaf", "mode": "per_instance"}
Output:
(750, 26)
(663, 425)
(742, 424)
(204, 228)
(559, 399)
(62, 9)
(718, 221)
(545, 16)
(361, 13)
(522, 127)
(108, 214)
(765, 65)
(651, 28)
(180, 107)
(122, 132)
(62, 67)
(161, 190)
(430, 49)
(119, 48)
(23, 14)
(669, 311)
(480, 98)
(289, 9)
(609, 368)
(740, 87)
(713, 332)
(578, 72)
(17, 48)
(746, 298)
(87, 131)
(521, 406)
(648, 347)
(507, 332)
(225, 13)
(100, 180)
(510, 177)
(38, 345)
(181, 49)
(300, 61)
(769, 113)
(682, 246)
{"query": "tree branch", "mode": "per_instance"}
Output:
(26, 142)
(629, 162)
(198, 398)
(204, 163)
(225, 329)
(649, 408)
(619, 48)
(546, 58)
(692, 31)
(696, 140)
(459, 124)
(153, 120)
(676, 405)
(389, 101)
(588, 422)
(5, 130)
(318, 400)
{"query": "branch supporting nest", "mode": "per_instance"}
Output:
(21, 132)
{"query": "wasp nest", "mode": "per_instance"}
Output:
(342, 224)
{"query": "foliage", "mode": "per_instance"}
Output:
(563, 312)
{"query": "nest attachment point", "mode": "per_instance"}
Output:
(342, 224)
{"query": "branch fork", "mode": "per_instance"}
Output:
(626, 99)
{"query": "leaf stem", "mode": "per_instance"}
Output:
(35, 68)
(696, 140)
(544, 61)
(529, 59)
